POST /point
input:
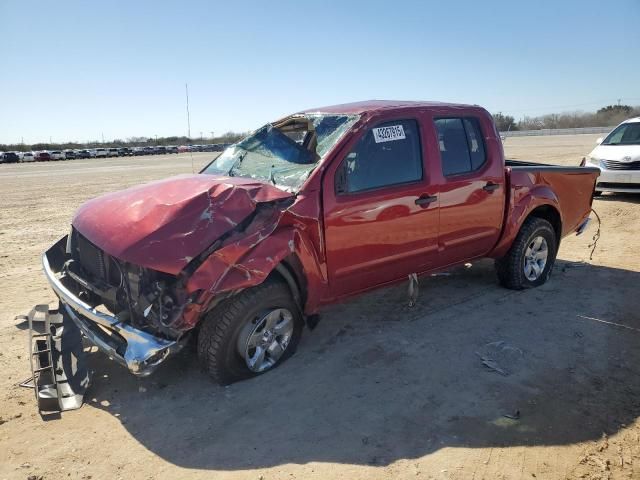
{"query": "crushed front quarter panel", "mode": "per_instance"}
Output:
(247, 257)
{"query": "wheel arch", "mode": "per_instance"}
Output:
(551, 214)
(540, 203)
(290, 270)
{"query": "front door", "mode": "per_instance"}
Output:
(380, 211)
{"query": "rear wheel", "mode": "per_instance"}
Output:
(531, 257)
(250, 333)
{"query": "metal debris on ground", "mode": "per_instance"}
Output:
(492, 365)
(606, 322)
(513, 416)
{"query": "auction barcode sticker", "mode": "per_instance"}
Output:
(388, 134)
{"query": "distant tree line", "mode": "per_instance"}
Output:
(605, 117)
(229, 137)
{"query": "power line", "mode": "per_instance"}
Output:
(186, 90)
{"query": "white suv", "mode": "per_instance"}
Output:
(618, 158)
(58, 155)
(101, 152)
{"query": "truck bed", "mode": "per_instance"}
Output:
(570, 189)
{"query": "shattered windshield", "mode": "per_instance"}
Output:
(285, 152)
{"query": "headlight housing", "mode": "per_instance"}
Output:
(593, 161)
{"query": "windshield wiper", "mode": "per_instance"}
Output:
(273, 171)
(237, 163)
(272, 177)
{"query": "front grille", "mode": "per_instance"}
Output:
(90, 257)
(615, 165)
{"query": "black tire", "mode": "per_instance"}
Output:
(219, 333)
(510, 268)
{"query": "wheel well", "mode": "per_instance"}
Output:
(291, 272)
(551, 215)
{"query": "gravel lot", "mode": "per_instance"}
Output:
(377, 391)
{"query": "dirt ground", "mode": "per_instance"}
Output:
(377, 391)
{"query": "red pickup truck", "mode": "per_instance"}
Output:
(306, 211)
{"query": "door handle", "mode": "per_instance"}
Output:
(490, 187)
(425, 200)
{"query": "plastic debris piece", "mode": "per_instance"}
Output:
(495, 355)
(492, 365)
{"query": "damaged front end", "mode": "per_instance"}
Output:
(127, 311)
(142, 266)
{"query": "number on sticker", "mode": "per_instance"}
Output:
(388, 134)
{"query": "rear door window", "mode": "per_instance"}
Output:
(461, 145)
(388, 154)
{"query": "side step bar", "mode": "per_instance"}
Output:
(59, 373)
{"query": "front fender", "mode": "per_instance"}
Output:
(249, 260)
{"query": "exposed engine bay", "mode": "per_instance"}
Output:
(145, 298)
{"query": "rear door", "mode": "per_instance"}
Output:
(380, 208)
(471, 185)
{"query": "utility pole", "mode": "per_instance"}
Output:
(201, 137)
(186, 89)
(212, 135)
(102, 133)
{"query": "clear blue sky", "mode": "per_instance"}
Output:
(77, 70)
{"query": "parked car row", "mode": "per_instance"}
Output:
(69, 154)
(211, 147)
(47, 155)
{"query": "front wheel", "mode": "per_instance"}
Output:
(531, 257)
(250, 333)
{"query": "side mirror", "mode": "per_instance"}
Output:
(599, 140)
(340, 185)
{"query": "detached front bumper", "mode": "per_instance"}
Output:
(139, 351)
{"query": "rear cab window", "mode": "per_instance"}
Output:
(461, 145)
(386, 155)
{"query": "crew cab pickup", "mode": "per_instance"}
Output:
(306, 211)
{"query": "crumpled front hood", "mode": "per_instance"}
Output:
(163, 225)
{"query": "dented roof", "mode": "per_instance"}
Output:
(370, 106)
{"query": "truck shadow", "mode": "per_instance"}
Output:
(378, 381)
